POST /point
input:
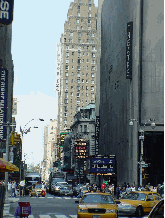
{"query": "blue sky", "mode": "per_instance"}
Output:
(37, 27)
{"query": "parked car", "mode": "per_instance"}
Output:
(157, 210)
(65, 190)
(137, 203)
(97, 205)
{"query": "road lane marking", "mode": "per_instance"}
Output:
(49, 197)
(44, 216)
(60, 216)
(30, 216)
(73, 216)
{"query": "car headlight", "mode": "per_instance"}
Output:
(110, 211)
(82, 210)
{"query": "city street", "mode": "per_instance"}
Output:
(46, 207)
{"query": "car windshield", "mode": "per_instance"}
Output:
(135, 196)
(96, 198)
(38, 186)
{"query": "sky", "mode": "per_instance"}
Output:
(37, 27)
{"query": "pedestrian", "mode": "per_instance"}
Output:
(9, 188)
(21, 188)
(103, 186)
(117, 192)
(13, 187)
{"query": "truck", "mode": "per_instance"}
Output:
(55, 177)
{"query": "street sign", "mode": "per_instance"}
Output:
(145, 165)
(6, 11)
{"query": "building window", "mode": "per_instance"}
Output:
(65, 114)
(77, 27)
(93, 61)
(66, 101)
(65, 108)
(66, 67)
(72, 46)
(93, 47)
(81, 27)
(70, 34)
(78, 8)
(78, 68)
(72, 60)
(70, 40)
(72, 73)
(79, 47)
(79, 34)
(78, 61)
(78, 88)
(71, 94)
(71, 100)
(82, 87)
(92, 95)
(87, 60)
(86, 81)
(66, 74)
(79, 40)
(85, 128)
(72, 81)
(71, 87)
(67, 54)
(66, 81)
(86, 87)
(72, 67)
(92, 88)
(78, 14)
(89, 15)
(89, 27)
(92, 81)
(93, 69)
(78, 80)
(86, 94)
(89, 8)
(67, 61)
(92, 74)
(79, 54)
(78, 94)
(67, 47)
(77, 21)
(72, 52)
(87, 47)
(93, 55)
(82, 80)
(78, 74)
(89, 21)
(79, 1)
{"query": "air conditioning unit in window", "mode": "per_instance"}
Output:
(66, 90)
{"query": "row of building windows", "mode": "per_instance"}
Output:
(78, 81)
(79, 54)
(93, 68)
(79, 74)
(78, 94)
(79, 8)
(80, 61)
(79, 15)
(78, 101)
(80, 34)
(80, 41)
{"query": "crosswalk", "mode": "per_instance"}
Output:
(45, 216)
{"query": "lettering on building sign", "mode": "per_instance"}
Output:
(3, 101)
(97, 127)
(129, 50)
(6, 11)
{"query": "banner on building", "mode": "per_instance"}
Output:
(97, 129)
(3, 101)
(6, 11)
(129, 50)
(103, 164)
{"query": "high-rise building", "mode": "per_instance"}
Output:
(77, 66)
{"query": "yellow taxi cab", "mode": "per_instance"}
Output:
(38, 191)
(137, 203)
(97, 205)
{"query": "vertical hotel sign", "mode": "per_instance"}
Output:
(6, 11)
(3, 101)
(129, 50)
(97, 128)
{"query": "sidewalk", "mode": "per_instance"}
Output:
(6, 209)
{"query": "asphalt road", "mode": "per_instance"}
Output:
(49, 206)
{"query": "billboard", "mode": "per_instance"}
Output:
(3, 101)
(102, 164)
(80, 148)
(6, 11)
(129, 50)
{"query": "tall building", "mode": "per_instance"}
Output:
(50, 148)
(132, 89)
(78, 44)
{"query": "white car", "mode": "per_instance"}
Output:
(57, 187)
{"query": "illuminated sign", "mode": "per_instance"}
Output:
(80, 148)
(129, 50)
(6, 11)
(97, 128)
(102, 165)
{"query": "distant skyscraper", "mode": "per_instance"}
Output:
(76, 62)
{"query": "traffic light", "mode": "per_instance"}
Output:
(15, 137)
